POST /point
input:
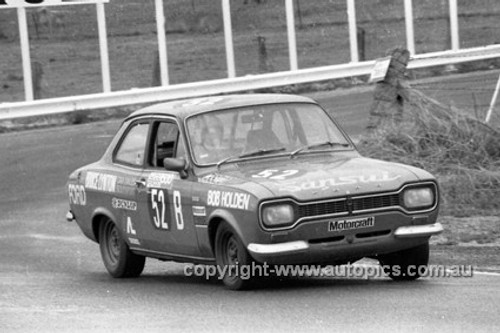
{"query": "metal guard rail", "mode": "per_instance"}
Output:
(231, 85)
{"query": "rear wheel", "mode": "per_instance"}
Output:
(406, 265)
(116, 255)
(232, 258)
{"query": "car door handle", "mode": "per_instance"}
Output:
(140, 182)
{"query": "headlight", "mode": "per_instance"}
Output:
(278, 215)
(418, 197)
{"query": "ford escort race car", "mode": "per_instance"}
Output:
(243, 179)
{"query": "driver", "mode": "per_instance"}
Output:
(209, 150)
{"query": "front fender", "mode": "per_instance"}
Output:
(218, 216)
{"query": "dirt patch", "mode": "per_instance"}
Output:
(481, 258)
(469, 231)
(468, 241)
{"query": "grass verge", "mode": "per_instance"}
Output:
(461, 151)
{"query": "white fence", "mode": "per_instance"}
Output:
(157, 94)
(232, 83)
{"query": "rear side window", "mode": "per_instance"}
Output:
(133, 147)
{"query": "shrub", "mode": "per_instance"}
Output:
(461, 151)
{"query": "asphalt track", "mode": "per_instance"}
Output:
(52, 278)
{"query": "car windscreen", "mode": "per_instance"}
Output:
(259, 130)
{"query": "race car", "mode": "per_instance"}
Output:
(252, 178)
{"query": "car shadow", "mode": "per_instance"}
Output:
(156, 280)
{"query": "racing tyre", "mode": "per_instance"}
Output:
(231, 255)
(406, 265)
(116, 255)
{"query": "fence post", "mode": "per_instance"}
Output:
(156, 82)
(361, 44)
(162, 43)
(103, 45)
(351, 16)
(37, 79)
(455, 40)
(493, 102)
(264, 65)
(292, 42)
(390, 94)
(25, 53)
(410, 35)
(228, 37)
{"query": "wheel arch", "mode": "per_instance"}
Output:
(97, 218)
(218, 217)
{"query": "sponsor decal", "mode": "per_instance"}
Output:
(123, 204)
(130, 226)
(215, 179)
(226, 199)
(276, 174)
(161, 180)
(134, 241)
(344, 225)
(199, 211)
(131, 232)
(77, 195)
(339, 181)
(100, 182)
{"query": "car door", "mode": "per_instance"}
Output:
(128, 164)
(167, 197)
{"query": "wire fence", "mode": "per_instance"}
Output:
(65, 45)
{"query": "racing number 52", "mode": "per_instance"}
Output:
(159, 207)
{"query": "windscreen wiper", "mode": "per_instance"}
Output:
(250, 154)
(261, 152)
(318, 145)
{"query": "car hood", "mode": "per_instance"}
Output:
(308, 177)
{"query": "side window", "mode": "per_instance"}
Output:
(133, 146)
(166, 143)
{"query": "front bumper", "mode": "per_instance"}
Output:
(298, 252)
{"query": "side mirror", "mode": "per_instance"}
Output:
(176, 164)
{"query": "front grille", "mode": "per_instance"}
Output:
(342, 207)
(382, 201)
(322, 208)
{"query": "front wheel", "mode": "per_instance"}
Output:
(232, 258)
(116, 255)
(406, 265)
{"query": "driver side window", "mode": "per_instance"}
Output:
(166, 143)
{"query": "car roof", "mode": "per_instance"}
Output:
(186, 107)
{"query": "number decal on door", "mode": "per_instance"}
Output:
(158, 205)
(159, 208)
(178, 210)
